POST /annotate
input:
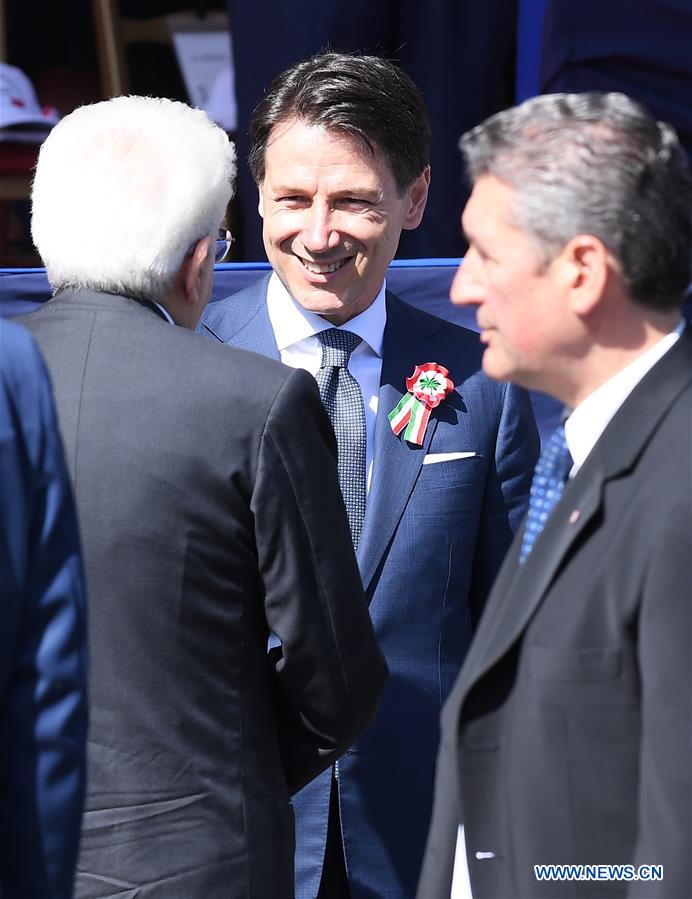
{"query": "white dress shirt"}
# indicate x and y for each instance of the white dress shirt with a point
(166, 314)
(589, 419)
(295, 330)
(582, 429)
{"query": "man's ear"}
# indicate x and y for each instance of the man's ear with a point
(417, 195)
(260, 201)
(194, 270)
(584, 270)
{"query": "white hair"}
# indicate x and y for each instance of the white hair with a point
(123, 189)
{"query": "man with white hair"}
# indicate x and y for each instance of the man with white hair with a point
(207, 487)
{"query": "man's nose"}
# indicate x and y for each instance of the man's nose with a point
(319, 234)
(467, 289)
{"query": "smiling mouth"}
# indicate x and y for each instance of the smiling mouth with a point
(326, 268)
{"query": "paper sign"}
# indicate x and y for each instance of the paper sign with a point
(205, 56)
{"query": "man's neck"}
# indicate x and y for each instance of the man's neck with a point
(615, 350)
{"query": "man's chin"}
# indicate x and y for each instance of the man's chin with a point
(496, 368)
(321, 302)
(336, 306)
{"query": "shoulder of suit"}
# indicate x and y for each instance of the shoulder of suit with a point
(22, 373)
(238, 307)
(431, 324)
(17, 343)
(227, 371)
(219, 376)
(225, 356)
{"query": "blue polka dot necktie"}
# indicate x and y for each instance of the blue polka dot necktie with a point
(343, 400)
(548, 482)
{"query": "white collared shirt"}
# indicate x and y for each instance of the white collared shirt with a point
(295, 330)
(166, 314)
(590, 418)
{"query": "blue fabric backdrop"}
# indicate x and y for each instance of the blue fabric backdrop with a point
(422, 282)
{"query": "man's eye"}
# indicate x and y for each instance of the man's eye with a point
(355, 202)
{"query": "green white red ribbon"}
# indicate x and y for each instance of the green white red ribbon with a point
(428, 386)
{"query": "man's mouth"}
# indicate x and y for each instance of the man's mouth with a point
(324, 268)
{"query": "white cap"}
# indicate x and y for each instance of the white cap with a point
(18, 102)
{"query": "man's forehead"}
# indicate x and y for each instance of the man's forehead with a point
(298, 151)
(489, 205)
(297, 127)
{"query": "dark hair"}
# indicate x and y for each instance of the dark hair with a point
(596, 163)
(365, 97)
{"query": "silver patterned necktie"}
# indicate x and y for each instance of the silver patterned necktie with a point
(343, 400)
(548, 482)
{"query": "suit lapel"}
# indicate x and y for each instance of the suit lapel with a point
(397, 463)
(242, 320)
(519, 591)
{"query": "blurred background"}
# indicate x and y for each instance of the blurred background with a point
(470, 58)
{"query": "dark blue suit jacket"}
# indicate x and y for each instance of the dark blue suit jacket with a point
(433, 538)
(43, 703)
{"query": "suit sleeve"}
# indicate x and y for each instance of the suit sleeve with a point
(506, 491)
(44, 703)
(330, 671)
(664, 827)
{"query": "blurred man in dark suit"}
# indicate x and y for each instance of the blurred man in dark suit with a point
(43, 688)
(208, 493)
(567, 738)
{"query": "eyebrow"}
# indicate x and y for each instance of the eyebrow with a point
(470, 238)
(286, 188)
(364, 193)
(358, 193)
(479, 244)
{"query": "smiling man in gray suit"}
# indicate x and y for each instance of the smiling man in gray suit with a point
(567, 739)
(207, 488)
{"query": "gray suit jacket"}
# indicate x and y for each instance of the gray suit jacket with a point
(567, 738)
(210, 508)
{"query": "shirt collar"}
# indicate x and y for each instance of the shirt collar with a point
(589, 419)
(292, 323)
(166, 314)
